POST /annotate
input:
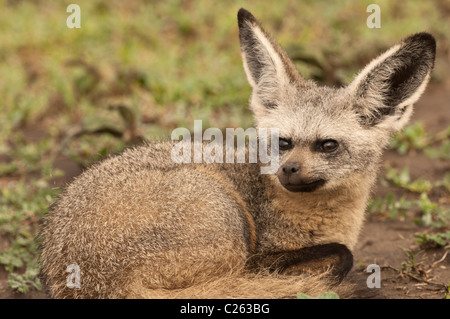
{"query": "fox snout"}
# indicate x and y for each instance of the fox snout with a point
(291, 177)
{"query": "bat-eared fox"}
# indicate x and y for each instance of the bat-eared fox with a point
(141, 225)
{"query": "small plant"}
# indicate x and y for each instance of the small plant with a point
(22, 283)
(21, 206)
(22, 253)
(433, 214)
(390, 205)
(445, 182)
(443, 152)
(325, 295)
(412, 137)
(403, 179)
(412, 264)
(434, 240)
(26, 157)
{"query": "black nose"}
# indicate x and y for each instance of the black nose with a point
(291, 168)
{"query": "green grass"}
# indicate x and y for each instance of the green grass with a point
(414, 137)
(390, 205)
(142, 68)
(413, 261)
(431, 214)
(434, 240)
(324, 295)
(402, 179)
(22, 204)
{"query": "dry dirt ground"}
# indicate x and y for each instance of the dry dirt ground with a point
(383, 240)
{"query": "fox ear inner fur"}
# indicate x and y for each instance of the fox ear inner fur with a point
(391, 83)
(266, 64)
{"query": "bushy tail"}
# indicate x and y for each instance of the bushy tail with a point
(254, 286)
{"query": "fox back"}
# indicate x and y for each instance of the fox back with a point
(140, 225)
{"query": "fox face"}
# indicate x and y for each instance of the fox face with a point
(327, 135)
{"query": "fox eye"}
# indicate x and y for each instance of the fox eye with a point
(328, 146)
(284, 144)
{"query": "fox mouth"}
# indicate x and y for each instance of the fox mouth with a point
(304, 187)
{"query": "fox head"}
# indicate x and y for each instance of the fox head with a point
(329, 134)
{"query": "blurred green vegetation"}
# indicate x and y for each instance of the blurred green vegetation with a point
(142, 68)
(174, 61)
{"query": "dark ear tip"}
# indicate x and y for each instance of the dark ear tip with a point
(244, 15)
(424, 39)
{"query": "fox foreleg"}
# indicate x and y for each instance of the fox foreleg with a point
(315, 259)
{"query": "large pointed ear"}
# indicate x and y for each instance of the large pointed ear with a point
(266, 64)
(386, 89)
